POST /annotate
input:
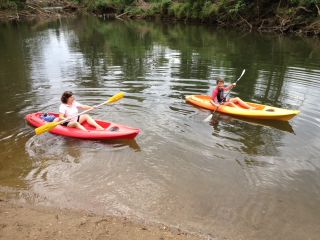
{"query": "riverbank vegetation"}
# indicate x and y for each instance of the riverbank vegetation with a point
(17, 10)
(283, 16)
(261, 15)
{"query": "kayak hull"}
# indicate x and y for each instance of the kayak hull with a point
(262, 112)
(112, 130)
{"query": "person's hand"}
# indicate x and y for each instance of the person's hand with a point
(214, 104)
(234, 84)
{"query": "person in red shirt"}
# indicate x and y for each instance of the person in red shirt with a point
(218, 97)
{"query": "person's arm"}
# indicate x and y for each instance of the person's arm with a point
(61, 112)
(86, 107)
(230, 87)
(82, 106)
(214, 94)
(214, 100)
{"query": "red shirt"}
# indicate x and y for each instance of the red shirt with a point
(215, 93)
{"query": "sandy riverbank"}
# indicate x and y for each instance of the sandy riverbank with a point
(32, 222)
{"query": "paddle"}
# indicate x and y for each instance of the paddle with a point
(49, 126)
(210, 116)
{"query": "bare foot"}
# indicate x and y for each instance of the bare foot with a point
(99, 128)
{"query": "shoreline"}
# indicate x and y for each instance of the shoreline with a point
(25, 221)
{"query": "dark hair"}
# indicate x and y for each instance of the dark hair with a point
(219, 79)
(65, 96)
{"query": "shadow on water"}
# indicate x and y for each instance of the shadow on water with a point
(118, 143)
(254, 138)
(88, 143)
(280, 125)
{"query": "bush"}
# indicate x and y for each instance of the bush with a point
(304, 2)
(164, 6)
(135, 11)
(237, 7)
(12, 4)
(209, 10)
(180, 10)
(105, 4)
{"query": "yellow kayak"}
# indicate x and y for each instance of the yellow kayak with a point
(261, 111)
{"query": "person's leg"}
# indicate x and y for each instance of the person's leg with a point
(231, 104)
(77, 125)
(241, 103)
(89, 120)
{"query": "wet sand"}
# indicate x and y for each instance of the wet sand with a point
(31, 222)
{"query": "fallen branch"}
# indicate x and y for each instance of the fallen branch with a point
(303, 8)
(318, 9)
(261, 25)
(38, 10)
(245, 20)
(122, 14)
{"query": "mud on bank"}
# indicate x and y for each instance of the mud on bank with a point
(31, 222)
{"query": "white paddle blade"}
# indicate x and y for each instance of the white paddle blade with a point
(208, 118)
(243, 72)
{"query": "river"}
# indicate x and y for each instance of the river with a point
(232, 179)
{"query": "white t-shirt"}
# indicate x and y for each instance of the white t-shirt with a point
(69, 111)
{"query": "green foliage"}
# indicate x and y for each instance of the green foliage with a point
(237, 7)
(135, 11)
(203, 9)
(220, 10)
(159, 7)
(304, 2)
(12, 4)
(209, 10)
(179, 10)
(8, 5)
(100, 5)
(165, 5)
(193, 9)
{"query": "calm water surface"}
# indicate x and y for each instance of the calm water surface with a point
(232, 179)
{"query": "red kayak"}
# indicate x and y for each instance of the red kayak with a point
(112, 130)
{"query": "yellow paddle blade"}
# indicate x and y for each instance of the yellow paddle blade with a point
(115, 98)
(47, 127)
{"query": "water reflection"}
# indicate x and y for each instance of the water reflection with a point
(280, 125)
